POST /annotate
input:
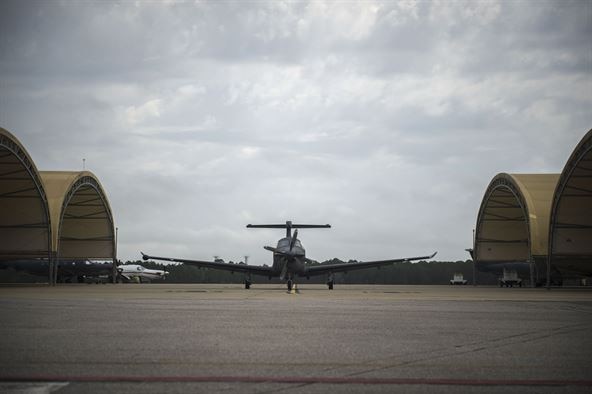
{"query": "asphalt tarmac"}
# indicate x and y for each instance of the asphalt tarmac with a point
(157, 338)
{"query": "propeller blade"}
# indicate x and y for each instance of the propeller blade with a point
(284, 271)
(274, 250)
(293, 240)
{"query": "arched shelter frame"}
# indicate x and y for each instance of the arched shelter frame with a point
(25, 224)
(512, 223)
(570, 229)
(82, 220)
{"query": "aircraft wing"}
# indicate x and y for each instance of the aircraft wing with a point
(327, 268)
(253, 269)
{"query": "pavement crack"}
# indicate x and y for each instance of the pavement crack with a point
(482, 346)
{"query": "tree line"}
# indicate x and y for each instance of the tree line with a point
(402, 273)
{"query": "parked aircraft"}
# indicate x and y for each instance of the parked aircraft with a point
(68, 270)
(520, 269)
(289, 260)
(134, 272)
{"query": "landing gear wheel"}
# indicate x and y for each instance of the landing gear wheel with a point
(247, 285)
(330, 285)
(290, 284)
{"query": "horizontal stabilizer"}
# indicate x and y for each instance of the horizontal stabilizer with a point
(288, 226)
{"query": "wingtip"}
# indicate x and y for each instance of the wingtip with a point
(432, 256)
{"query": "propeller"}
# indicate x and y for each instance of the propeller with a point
(289, 255)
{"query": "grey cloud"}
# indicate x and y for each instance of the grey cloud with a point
(386, 120)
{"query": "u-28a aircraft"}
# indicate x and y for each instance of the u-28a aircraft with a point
(133, 272)
(289, 260)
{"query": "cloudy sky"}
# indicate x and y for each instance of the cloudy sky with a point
(386, 119)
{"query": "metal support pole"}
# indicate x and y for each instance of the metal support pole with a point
(54, 272)
(548, 273)
(50, 273)
(531, 271)
(472, 253)
(114, 270)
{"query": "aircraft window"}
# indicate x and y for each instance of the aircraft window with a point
(138, 269)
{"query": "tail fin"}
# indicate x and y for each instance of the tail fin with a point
(289, 226)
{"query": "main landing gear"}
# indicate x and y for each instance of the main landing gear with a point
(248, 281)
(290, 284)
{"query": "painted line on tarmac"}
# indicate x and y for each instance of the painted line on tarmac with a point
(296, 380)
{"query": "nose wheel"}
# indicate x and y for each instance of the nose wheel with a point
(290, 284)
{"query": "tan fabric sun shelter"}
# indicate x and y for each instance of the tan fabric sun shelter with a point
(513, 221)
(50, 214)
(545, 219)
(570, 233)
(25, 231)
(81, 219)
